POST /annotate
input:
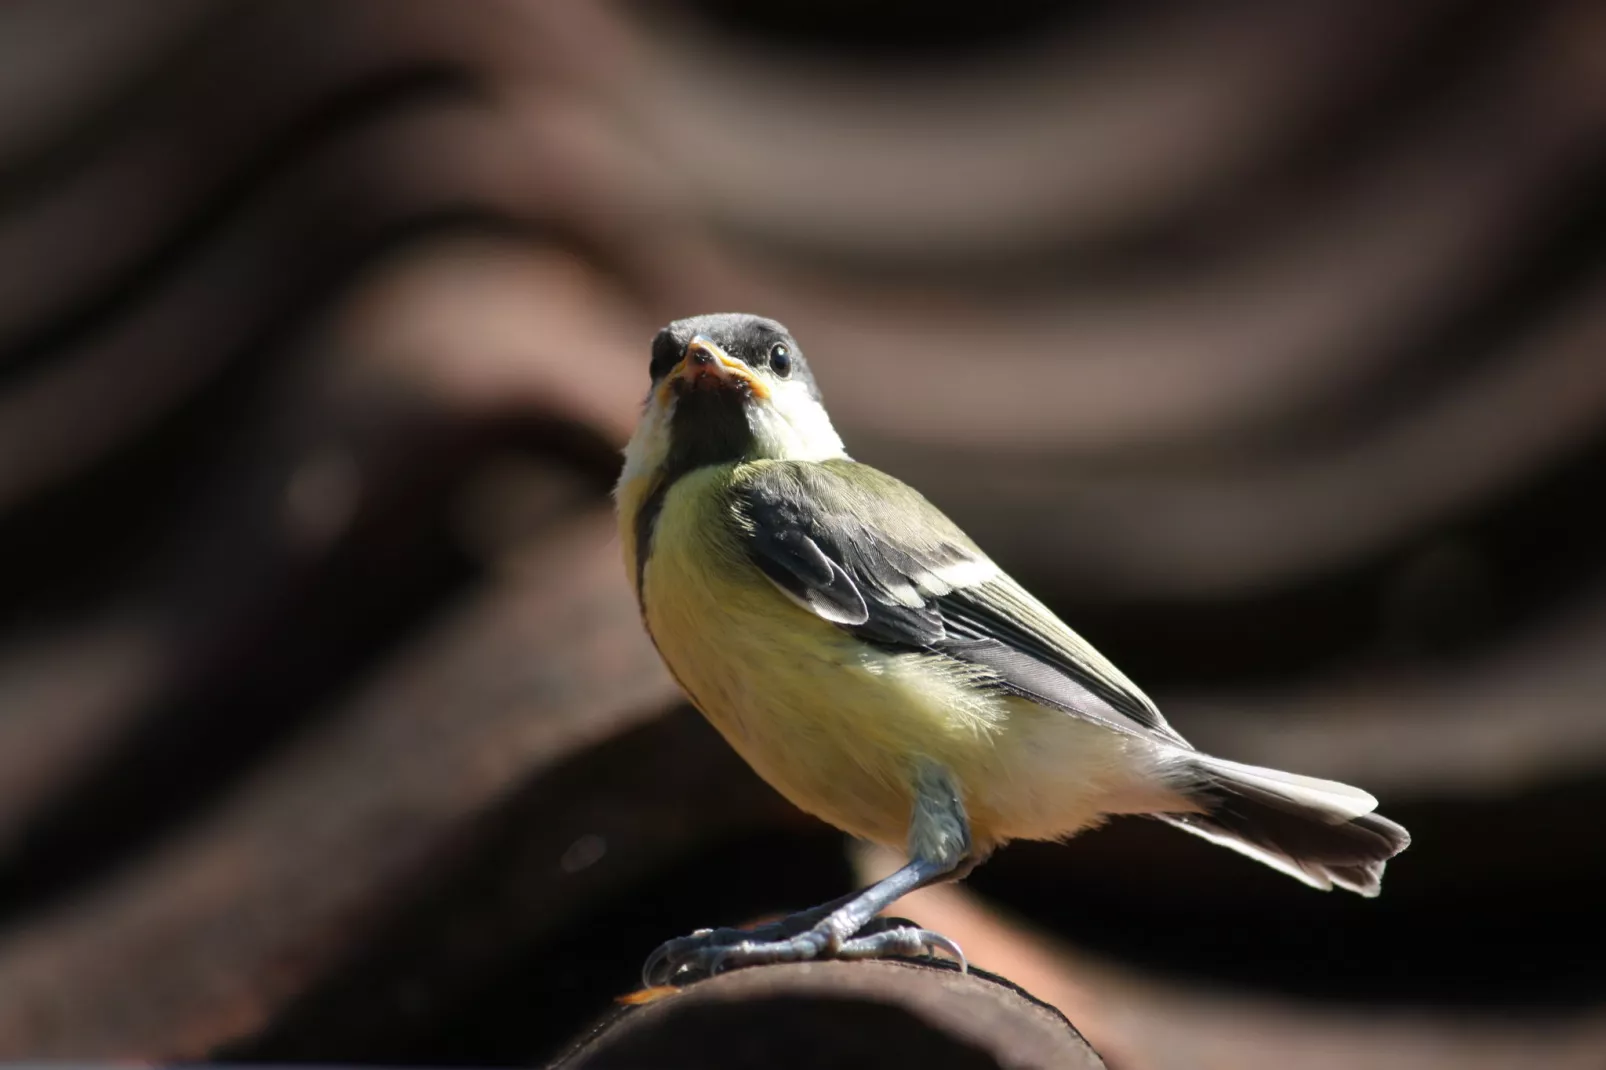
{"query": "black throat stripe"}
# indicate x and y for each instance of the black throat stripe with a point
(646, 524)
(708, 427)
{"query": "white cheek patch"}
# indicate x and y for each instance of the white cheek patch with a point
(792, 426)
(649, 446)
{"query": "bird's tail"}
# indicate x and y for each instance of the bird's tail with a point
(1317, 831)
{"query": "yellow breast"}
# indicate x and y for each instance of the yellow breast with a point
(834, 724)
(839, 726)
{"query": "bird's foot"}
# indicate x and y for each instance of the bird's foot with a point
(886, 938)
(709, 951)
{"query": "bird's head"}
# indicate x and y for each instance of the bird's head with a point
(729, 387)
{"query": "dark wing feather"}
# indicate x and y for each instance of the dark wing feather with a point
(796, 562)
(836, 537)
(1002, 613)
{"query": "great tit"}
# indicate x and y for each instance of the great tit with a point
(881, 672)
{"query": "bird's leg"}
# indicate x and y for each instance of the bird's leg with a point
(939, 844)
(801, 937)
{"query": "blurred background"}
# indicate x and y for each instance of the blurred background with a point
(1266, 341)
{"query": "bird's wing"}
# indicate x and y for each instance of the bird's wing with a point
(837, 538)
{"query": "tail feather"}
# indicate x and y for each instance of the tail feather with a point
(1320, 832)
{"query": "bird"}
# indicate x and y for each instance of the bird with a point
(871, 663)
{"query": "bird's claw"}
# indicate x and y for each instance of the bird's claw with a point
(710, 951)
(903, 941)
(684, 951)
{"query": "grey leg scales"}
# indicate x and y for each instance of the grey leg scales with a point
(801, 937)
(940, 843)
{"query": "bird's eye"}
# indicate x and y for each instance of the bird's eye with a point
(781, 359)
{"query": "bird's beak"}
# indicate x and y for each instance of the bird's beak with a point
(706, 364)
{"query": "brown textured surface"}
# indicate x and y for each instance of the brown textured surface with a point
(499, 692)
(1262, 340)
(837, 1014)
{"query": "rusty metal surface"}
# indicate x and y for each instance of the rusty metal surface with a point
(1265, 341)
